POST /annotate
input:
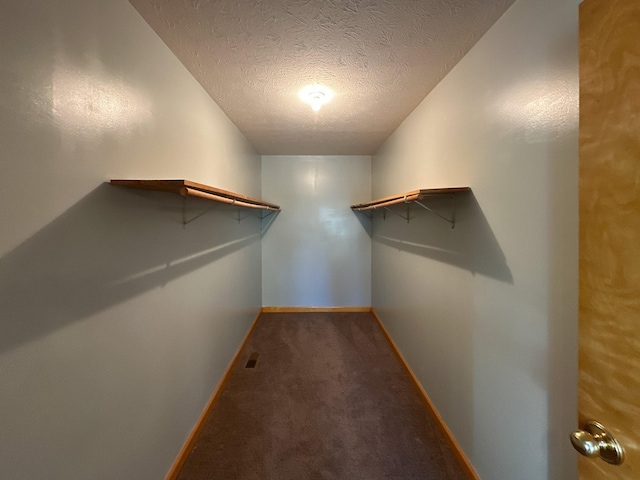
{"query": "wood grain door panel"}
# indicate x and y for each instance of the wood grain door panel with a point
(609, 361)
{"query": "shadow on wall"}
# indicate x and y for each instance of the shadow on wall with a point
(471, 245)
(112, 245)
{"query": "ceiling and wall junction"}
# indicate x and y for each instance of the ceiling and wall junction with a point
(380, 57)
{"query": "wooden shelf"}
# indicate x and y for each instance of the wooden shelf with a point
(413, 197)
(186, 188)
(407, 197)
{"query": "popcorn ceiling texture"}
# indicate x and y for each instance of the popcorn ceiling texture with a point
(380, 57)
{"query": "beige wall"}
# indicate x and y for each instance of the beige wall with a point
(116, 321)
(486, 314)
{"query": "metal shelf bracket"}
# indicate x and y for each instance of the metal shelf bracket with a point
(238, 216)
(451, 220)
(407, 217)
(413, 196)
(185, 220)
(270, 217)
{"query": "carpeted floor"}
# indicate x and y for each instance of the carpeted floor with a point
(327, 399)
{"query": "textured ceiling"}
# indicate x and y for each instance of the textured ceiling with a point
(380, 57)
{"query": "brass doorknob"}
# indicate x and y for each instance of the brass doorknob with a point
(595, 440)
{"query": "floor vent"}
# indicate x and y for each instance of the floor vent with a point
(253, 359)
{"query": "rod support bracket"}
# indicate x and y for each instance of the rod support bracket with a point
(185, 220)
(450, 220)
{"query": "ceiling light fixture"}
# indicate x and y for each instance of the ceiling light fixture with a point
(316, 96)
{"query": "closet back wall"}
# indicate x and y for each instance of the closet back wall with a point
(317, 252)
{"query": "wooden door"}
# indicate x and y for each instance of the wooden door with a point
(609, 359)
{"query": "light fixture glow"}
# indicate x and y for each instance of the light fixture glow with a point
(316, 96)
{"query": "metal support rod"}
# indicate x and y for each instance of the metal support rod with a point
(368, 214)
(453, 211)
(184, 212)
(240, 217)
(393, 211)
(260, 215)
(384, 204)
(451, 221)
(268, 214)
(272, 216)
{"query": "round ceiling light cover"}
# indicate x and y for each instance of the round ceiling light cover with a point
(316, 96)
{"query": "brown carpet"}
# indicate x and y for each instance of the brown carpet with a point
(327, 399)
